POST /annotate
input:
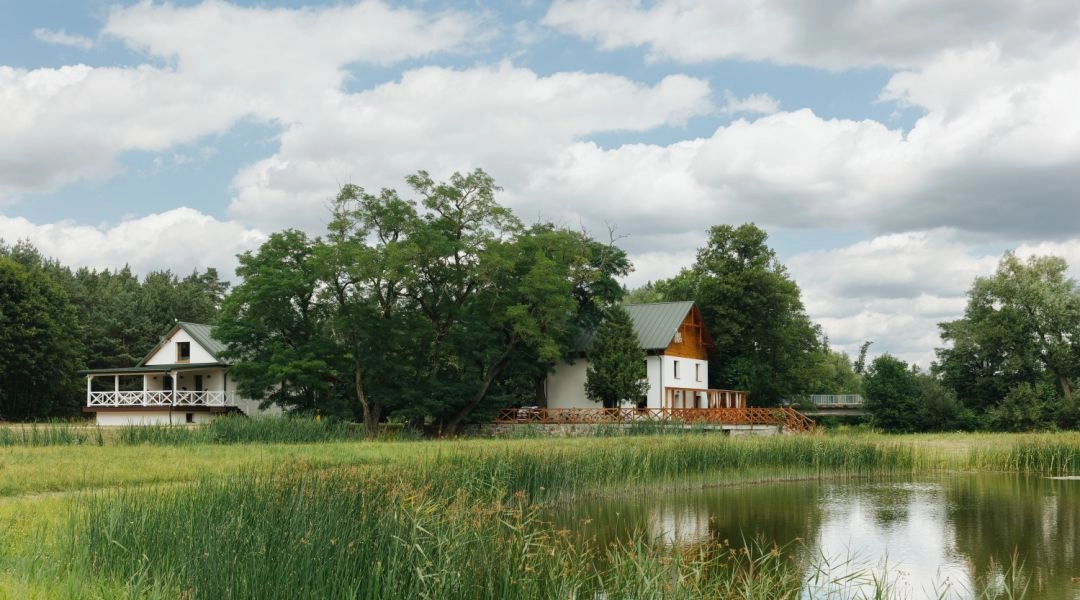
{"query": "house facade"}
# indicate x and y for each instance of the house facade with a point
(182, 380)
(677, 346)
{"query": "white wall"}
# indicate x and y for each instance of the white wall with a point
(152, 417)
(166, 355)
(693, 374)
(566, 386)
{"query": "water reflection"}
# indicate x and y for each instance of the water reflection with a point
(955, 534)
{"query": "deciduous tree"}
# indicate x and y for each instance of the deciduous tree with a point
(764, 340)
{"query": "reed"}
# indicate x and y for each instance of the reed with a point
(458, 519)
(241, 430)
(53, 433)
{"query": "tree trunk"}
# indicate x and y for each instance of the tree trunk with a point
(451, 426)
(371, 419)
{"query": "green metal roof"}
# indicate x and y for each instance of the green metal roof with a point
(656, 324)
(202, 334)
(151, 369)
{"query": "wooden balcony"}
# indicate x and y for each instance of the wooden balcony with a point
(159, 398)
(788, 418)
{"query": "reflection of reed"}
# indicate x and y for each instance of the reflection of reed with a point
(1035, 520)
(775, 513)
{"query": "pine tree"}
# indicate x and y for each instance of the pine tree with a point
(616, 360)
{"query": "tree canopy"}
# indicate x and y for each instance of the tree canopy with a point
(765, 342)
(421, 305)
(1020, 332)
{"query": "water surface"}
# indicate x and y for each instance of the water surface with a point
(954, 534)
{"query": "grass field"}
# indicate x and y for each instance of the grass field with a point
(109, 517)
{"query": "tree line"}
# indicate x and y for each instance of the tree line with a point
(55, 321)
(440, 307)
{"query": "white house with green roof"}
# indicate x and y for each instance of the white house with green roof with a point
(677, 347)
(182, 380)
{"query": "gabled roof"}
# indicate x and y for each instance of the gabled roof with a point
(202, 334)
(656, 324)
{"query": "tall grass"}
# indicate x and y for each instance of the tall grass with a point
(241, 430)
(59, 433)
(1042, 454)
(560, 471)
(459, 520)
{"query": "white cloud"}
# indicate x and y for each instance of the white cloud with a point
(892, 289)
(181, 239)
(762, 104)
(507, 119)
(994, 154)
(222, 63)
(62, 38)
(832, 35)
(278, 61)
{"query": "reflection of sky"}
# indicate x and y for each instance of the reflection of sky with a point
(897, 530)
(943, 538)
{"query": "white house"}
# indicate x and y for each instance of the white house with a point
(677, 347)
(182, 380)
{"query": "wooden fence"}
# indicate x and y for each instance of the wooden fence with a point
(788, 418)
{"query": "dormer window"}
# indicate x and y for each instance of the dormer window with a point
(183, 352)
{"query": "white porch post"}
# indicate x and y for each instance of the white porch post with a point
(144, 387)
(89, 378)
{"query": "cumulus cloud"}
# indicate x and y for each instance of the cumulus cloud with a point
(181, 239)
(506, 118)
(62, 38)
(220, 63)
(762, 104)
(994, 154)
(892, 289)
(832, 35)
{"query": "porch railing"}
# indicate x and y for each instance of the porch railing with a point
(159, 398)
(788, 418)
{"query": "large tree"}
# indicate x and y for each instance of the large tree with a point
(616, 362)
(423, 308)
(765, 343)
(276, 330)
(1021, 327)
(39, 356)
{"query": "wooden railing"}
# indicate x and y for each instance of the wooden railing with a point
(788, 418)
(159, 398)
(684, 398)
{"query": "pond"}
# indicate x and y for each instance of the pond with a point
(953, 535)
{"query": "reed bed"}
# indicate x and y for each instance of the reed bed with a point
(58, 433)
(241, 430)
(460, 520)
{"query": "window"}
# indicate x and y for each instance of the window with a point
(697, 372)
(183, 352)
(189, 417)
(675, 364)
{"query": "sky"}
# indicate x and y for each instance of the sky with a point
(893, 151)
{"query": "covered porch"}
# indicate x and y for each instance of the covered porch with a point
(186, 385)
(684, 398)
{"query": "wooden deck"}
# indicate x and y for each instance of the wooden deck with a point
(788, 418)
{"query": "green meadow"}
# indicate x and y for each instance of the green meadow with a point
(273, 513)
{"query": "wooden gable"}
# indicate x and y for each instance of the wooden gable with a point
(692, 340)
